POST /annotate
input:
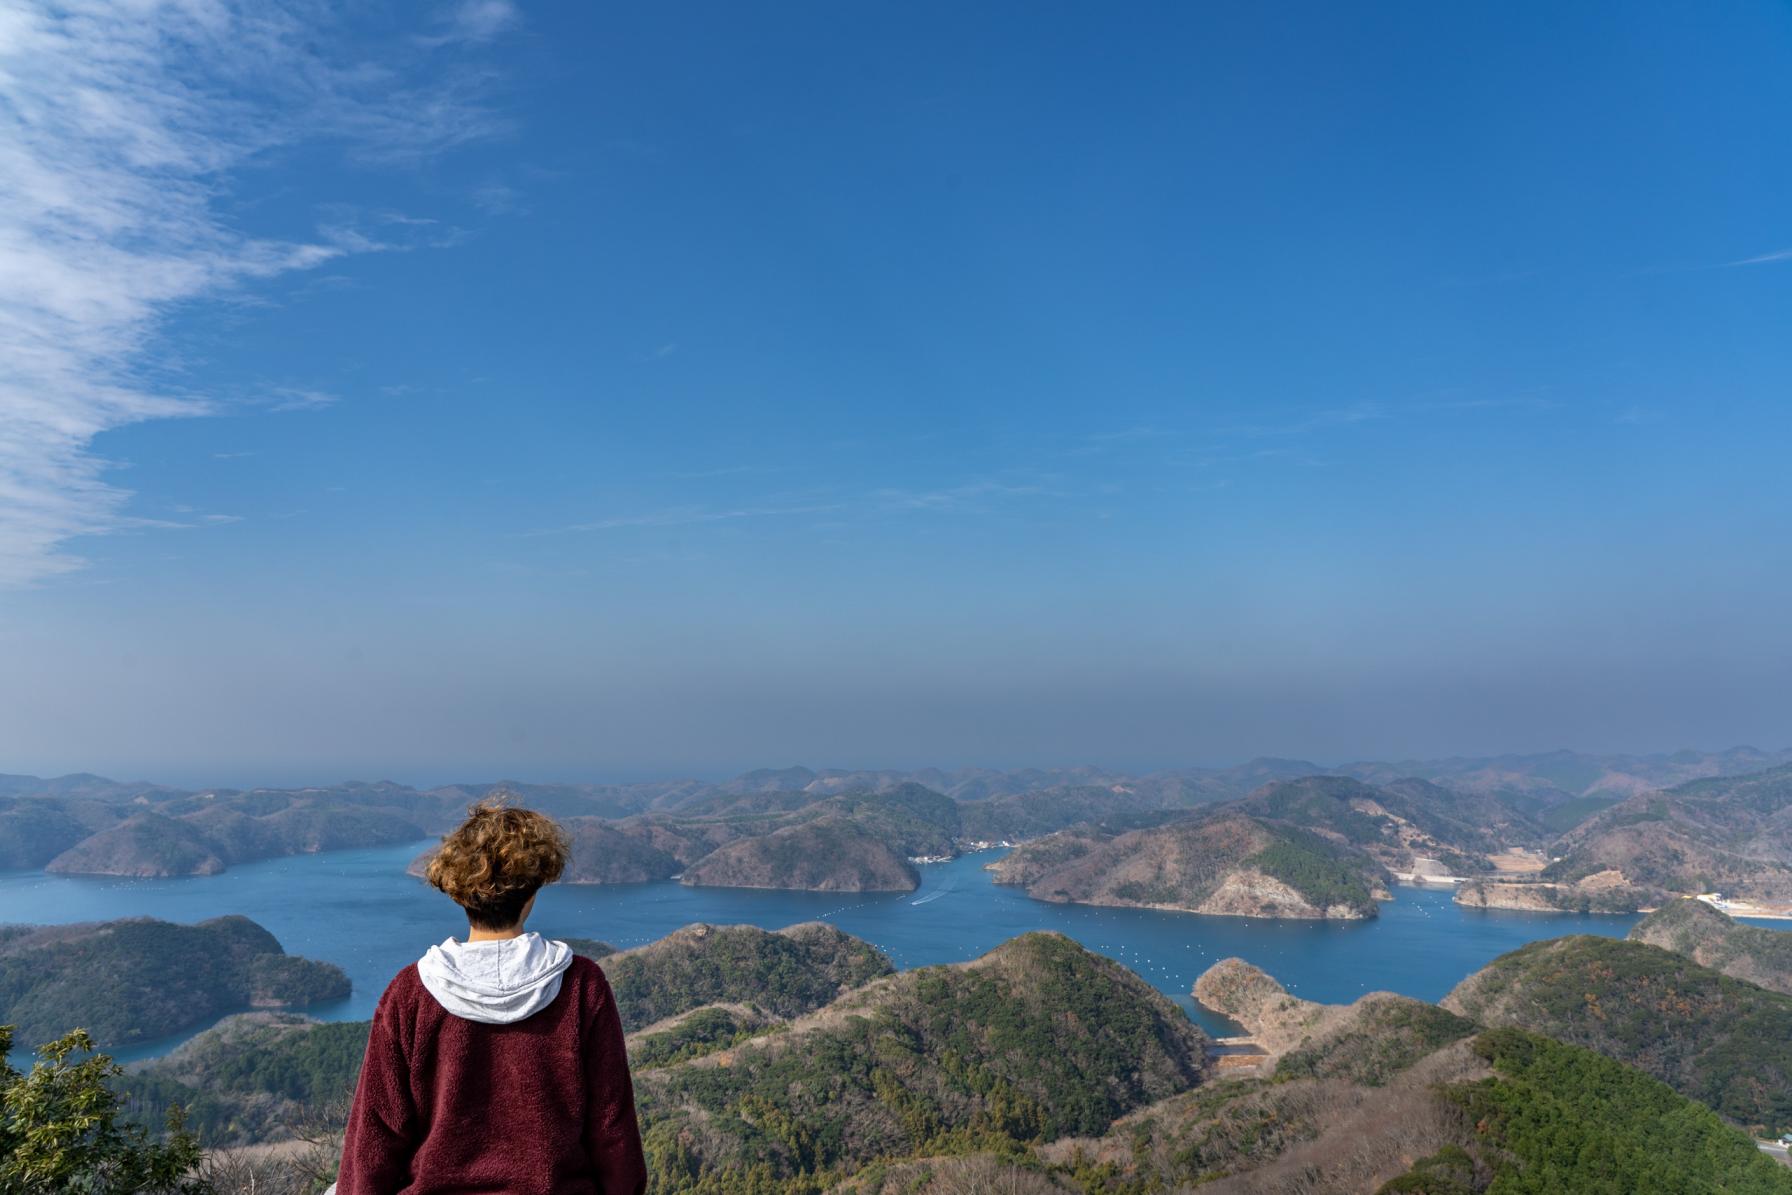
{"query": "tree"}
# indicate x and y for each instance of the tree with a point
(60, 1133)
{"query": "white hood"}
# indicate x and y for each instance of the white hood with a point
(495, 982)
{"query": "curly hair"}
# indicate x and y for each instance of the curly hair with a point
(496, 860)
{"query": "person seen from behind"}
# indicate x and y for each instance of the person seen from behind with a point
(495, 1065)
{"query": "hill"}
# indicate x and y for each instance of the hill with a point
(785, 974)
(252, 1077)
(1044, 1068)
(255, 1077)
(1034, 1040)
(1368, 1042)
(831, 854)
(75, 823)
(1224, 863)
(1723, 1042)
(1731, 834)
(1712, 939)
(164, 833)
(137, 980)
(1399, 1097)
(1399, 823)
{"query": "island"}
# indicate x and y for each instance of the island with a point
(1223, 863)
(139, 979)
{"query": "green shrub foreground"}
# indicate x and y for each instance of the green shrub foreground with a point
(60, 1130)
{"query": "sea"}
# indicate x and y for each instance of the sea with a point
(360, 910)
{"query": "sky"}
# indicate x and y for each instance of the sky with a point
(452, 390)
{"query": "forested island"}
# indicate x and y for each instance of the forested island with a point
(140, 979)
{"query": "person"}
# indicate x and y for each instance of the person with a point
(495, 1065)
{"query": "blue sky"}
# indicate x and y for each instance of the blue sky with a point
(565, 390)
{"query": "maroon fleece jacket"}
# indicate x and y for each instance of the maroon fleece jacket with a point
(541, 1106)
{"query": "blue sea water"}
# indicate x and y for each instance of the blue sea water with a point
(359, 910)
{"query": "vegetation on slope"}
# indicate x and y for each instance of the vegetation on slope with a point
(1222, 862)
(787, 973)
(1713, 939)
(1728, 834)
(250, 1078)
(139, 979)
(1384, 1035)
(1037, 1039)
(828, 855)
(1563, 817)
(1556, 1118)
(1324, 876)
(1718, 1040)
(701, 1031)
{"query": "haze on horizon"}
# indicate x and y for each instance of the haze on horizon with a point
(486, 388)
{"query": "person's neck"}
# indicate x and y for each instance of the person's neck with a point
(475, 934)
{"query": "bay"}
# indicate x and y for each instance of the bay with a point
(359, 910)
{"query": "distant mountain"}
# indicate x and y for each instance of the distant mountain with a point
(140, 979)
(1448, 811)
(1712, 939)
(1729, 834)
(1722, 1041)
(1221, 863)
(1401, 822)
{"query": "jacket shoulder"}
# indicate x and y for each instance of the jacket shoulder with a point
(586, 970)
(404, 989)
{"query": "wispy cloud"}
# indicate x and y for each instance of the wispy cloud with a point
(969, 496)
(956, 497)
(1761, 259)
(119, 127)
(1098, 443)
(1354, 414)
(498, 199)
(474, 21)
(1317, 420)
(683, 516)
(298, 398)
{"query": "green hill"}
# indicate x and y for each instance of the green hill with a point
(787, 973)
(1555, 1118)
(1035, 1040)
(252, 1077)
(1721, 1041)
(140, 979)
(1713, 939)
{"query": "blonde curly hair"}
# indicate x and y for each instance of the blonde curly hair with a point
(496, 860)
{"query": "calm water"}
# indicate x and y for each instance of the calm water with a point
(359, 910)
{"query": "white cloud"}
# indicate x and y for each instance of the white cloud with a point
(1763, 259)
(475, 21)
(118, 126)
